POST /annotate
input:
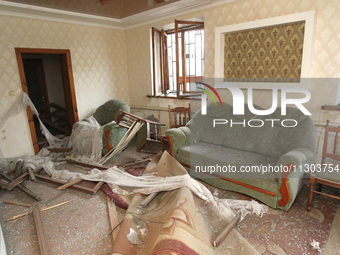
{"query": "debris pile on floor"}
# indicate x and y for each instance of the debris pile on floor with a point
(111, 180)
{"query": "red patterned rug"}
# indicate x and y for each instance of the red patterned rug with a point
(279, 232)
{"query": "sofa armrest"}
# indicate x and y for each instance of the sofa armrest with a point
(297, 157)
(112, 134)
(289, 183)
(179, 137)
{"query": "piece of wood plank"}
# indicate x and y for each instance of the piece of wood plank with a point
(22, 187)
(65, 186)
(227, 230)
(17, 181)
(57, 182)
(59, 149)
(18, 168)
(113, 216)
(97, 187)
(72, 162)
(31, 174)
(10, 171)
(136, 162)
(43, 209)
(44, 241)
(147, 200)
(16, 203)
(4, 184)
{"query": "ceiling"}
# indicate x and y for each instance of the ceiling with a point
(106, 8)
(120, 14)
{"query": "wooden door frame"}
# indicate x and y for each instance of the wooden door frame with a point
(68, 84)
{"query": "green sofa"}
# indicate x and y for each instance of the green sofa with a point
(216, 155)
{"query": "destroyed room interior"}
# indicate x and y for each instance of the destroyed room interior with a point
(137, 127)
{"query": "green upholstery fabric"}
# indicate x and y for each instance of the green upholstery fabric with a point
(201, 144)
(107, 113)
(110, 111)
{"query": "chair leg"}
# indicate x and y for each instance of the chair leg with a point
(319, 187)
(310, 196)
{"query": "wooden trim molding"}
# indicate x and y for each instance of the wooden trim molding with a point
(108, 145)
(18, 53)
(168, 138)
(284, 187)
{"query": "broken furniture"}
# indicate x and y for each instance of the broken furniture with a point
(99, 133)
(199, 145)
(328, 172)
(107, 113)
(126, 119)
(16, 183)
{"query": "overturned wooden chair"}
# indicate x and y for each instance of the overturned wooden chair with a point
(126, 119)
(328, 173)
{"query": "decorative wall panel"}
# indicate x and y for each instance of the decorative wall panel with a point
(272, 54)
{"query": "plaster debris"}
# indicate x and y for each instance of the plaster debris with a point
(133, 237)
(315, 245)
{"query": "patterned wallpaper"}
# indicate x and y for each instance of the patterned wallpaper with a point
(272, 54)
(99, 62)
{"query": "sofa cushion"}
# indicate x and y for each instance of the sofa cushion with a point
(272, 139)
(207, 154)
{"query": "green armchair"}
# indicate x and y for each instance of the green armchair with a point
(107, 113)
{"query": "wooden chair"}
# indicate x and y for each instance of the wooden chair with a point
(126, 119)
(327, 178)
(179, 116)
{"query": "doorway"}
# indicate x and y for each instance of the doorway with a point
(47, 78)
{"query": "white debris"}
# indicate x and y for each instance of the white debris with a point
(143, 231)
(216, 193)
(315, 245)
(133, 237)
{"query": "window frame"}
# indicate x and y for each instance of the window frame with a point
(163, 61)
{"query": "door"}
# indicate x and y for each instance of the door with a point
(36, 82)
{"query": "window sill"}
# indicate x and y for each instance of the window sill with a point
(174, 96)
